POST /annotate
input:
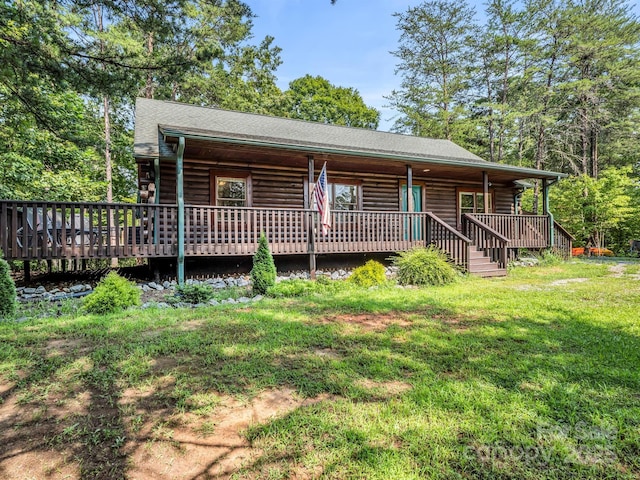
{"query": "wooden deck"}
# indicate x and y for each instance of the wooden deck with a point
(62, 230)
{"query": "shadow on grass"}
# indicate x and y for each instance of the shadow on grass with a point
(490, 381)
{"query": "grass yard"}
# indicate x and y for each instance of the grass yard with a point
(532, 376)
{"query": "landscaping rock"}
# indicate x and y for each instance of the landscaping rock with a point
(29, 291)
(257, 298)
(76, 289)
(335, 276)
(243, 300)
(214, 302)
(40, 290)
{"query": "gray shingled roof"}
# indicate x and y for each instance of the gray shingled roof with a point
(155, 117)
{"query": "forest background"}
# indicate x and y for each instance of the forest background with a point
(547, 84)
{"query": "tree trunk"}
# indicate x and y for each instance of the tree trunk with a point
(148, 90)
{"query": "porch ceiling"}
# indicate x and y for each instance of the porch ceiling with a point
(220, 153)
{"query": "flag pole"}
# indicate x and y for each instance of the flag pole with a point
(311, 246)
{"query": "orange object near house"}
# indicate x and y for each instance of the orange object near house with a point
(601, 252)
(598, 252)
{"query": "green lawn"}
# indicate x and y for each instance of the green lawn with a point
(532, 376)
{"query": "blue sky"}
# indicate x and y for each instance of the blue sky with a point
(347, 43)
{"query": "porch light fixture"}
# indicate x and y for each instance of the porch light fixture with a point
(426, 170)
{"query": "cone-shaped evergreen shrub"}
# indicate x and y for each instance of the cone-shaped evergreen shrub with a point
(263, 273)
(7, 291)
(112, 294)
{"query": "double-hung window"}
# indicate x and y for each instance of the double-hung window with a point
(230, 188)
(343, 196)
(231, 192)
(472, 201)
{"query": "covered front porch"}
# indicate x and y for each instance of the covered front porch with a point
(81, 231)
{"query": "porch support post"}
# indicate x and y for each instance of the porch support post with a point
(410, 206)
(545, 208)
(485, 191)
(156, 181)
(311, 243)
(180, 198)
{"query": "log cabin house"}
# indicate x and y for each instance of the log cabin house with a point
(211, 181)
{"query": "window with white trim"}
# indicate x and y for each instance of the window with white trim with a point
(231, 192)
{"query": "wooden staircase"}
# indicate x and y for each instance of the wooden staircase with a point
(481, 265)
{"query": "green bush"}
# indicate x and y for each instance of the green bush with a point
(424, 266)
(368, 275)
(300, 288)
(291, 288)
(7, 291)
(549, 258)
(112, 294)
(195, 293)
(263, 273)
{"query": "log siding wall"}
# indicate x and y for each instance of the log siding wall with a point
(285, 188)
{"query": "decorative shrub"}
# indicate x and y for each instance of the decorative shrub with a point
(7, 291)
(291, 288)
(424, 266)
(549, 258)
(368, 275)
(195, 293)
(112, 294)
(263, 273)
(299, 288)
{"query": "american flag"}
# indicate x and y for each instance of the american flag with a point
(322, 200)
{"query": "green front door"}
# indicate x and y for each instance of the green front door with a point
(416, 193)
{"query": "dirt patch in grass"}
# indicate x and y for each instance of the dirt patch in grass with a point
(566, 281)
(327, 353)
(393, 387)
(141, 435)
(201, 446)
(370, 321)
(617, 270)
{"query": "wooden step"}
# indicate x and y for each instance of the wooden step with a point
(481, 265)
(498, 272)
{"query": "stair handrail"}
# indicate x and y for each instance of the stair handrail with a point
(457, 233)
(488, 232)
(563, 230)
(459, 251)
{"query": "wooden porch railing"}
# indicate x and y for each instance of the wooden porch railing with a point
(214, 231)
(523, 231)
(228, 231)
(562, 240)
(67, 230)
(487, 239)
